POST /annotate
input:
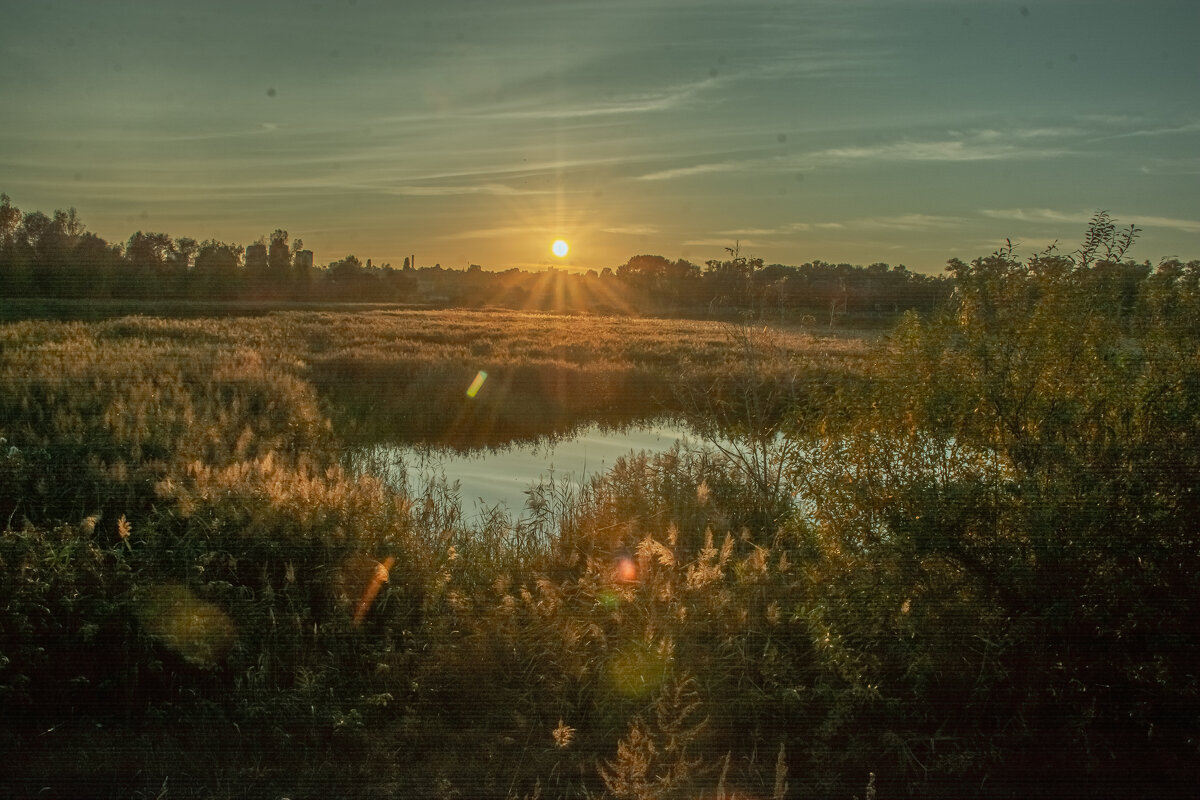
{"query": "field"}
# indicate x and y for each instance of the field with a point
(943, 561)
(193, 466)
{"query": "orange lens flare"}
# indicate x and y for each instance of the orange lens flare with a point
(382, 572)
(626, 570)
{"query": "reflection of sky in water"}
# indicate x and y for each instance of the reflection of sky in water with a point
(489, 477)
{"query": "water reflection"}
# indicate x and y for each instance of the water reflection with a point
(488, 477)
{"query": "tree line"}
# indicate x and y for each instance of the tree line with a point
(55, 256)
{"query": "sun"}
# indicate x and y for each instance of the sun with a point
(560, 248)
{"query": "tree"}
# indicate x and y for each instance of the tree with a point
(1023, 478)
(731, 281)
(149, 252)
(15, 276)
(217, 269)
(150, 257)
(10, 218)
(49, 243)
(185, 251)
(347, 269)
(279, 259)
(97, 265)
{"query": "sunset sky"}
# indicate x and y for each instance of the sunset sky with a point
(479, 131)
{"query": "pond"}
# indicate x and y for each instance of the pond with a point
(488, 477)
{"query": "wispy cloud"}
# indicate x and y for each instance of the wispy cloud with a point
(641, 103)
(1048, 216)
(1039, 215)
(1023, 134)
(696, 169)
(954, 146)
(723, 243)
(743, 232)
(493, 189)
(978, 147)
(1162, 130)
(496, 233)
(1171, 166)
(632, 230)
(897, 222)
(908, 222)
(1182, 225)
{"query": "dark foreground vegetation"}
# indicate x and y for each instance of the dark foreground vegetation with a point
(956, 561)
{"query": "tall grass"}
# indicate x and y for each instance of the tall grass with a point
(198, 599)
(183, 550)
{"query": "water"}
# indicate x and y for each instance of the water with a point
(503, 477)
(488, 478)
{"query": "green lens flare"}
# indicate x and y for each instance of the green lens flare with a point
(476, 384)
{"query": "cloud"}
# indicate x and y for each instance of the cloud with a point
(1039, 215)
(979, 145)
(724, 243)
(897, 222)
(493, 233)
(986, 147)
(698, 169)
(1048, 216)
(754, 232)
(908, 222)
(632, 230)
(664, 100)
(1171, 166)
(1165, 130)
(493, 189)
(1183, 225)
(1021, 134)
(535, 104)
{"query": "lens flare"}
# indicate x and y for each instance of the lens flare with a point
(476, 384)
(638, 669)
(197, 630)
(626, 570)
(382, 572)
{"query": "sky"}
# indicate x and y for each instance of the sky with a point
(479, 131)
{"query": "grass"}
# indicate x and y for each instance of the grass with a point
(197, 599)
(185, 555)
(403, 375)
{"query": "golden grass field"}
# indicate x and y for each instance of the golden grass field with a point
(403, 375)
(193, 566)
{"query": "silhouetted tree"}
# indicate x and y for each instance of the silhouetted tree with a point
(279, 261)
(217, 269)
(731, 281)
(15, 276)
(147, 256)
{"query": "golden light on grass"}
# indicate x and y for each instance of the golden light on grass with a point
(560, 248)
(563, 735)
